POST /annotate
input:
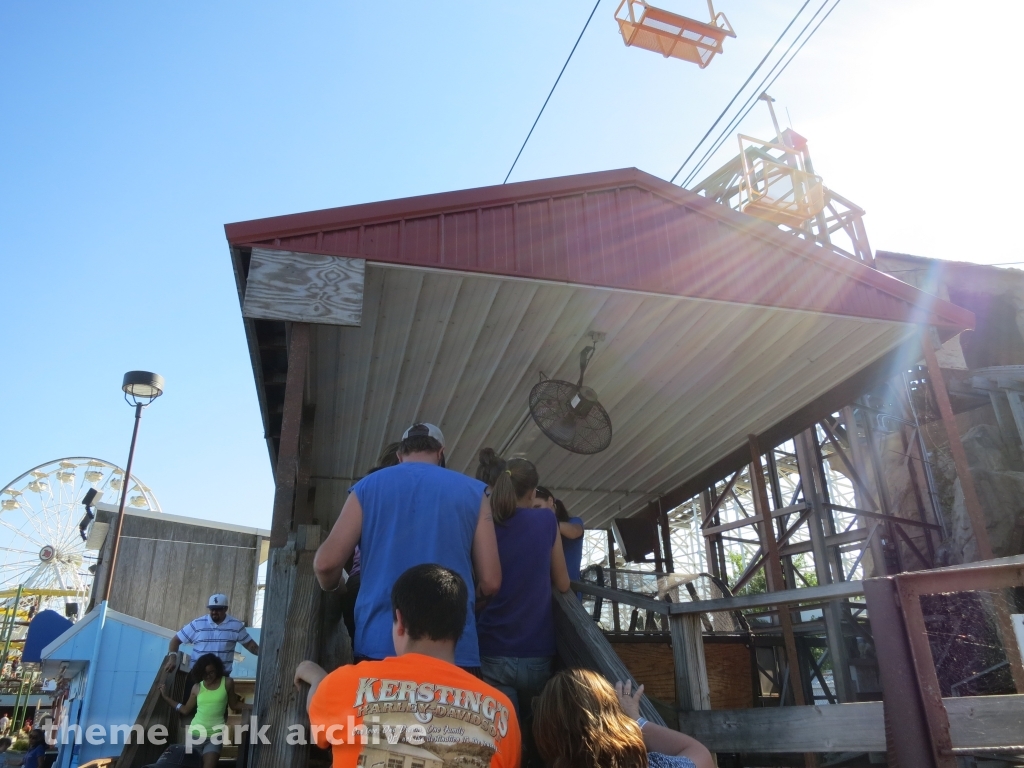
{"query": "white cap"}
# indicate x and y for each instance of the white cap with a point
(424, 430)
(218, 601)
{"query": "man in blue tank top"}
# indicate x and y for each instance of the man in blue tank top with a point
(413, 513)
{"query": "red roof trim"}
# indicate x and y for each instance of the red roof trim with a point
(922, 307)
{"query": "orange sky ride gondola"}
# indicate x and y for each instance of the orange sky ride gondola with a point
(672, 35)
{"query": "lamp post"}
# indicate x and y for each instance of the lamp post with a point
(140, 389)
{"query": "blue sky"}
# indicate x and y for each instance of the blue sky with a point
(132, 132)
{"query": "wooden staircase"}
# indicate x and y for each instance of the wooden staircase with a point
(155, 711)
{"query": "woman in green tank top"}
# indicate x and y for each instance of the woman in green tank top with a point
(209, 700)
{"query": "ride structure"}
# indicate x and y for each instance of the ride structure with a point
(42, 530)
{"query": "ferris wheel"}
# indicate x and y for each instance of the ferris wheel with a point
(42, 549)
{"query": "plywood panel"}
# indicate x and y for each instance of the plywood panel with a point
(305, 287)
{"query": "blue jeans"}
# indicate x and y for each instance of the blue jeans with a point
(521, 679)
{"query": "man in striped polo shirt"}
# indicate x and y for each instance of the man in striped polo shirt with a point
(214, 633)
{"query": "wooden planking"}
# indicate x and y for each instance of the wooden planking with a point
(297, 600)
(171, 568)
(975, 722)
(836, 728)
(986, 721)
(304, 287)
(582, 645)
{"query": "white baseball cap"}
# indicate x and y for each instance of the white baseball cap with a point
(424, 430)
(218, 601)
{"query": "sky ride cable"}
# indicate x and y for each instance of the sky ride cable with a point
(765, 85)
(738, 92)
(537, 120)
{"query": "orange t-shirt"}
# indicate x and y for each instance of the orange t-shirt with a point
(413, 711)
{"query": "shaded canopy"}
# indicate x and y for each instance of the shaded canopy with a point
(716, 325)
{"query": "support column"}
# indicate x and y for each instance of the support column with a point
(956, 448)
(773, 567)
(692, 689)
(863, 501)
(293, 596)
(293, 600)
(286, 470)
(814, 491)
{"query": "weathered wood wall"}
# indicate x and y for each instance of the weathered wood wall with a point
(167, 569)
(978, 722)
(728, 666)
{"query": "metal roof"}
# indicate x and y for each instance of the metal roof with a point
(717, 325)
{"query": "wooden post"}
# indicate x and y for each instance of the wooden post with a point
(286, 471)
(956, 448)
(773, 567)
(304, 490)
(293, 601)
(693, 691)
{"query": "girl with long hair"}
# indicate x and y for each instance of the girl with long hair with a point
(517, 629)
(581, 721)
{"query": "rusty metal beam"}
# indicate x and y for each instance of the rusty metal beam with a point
(773, 571)
(956, 448)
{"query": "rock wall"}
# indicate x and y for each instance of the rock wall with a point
(999, 477)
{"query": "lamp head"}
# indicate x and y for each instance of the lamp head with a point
(142, 387)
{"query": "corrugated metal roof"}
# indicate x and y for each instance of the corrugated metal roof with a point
(717, 326)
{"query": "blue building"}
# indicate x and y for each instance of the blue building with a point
(106, 665)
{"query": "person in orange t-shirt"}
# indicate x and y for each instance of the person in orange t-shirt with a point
(416, 708)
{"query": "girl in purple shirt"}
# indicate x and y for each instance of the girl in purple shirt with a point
(516, 629)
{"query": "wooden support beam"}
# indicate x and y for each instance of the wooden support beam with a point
(693, 692)
(773, 571)
(304, 468)
(294, 600)
(956, 448)
(286, 471)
